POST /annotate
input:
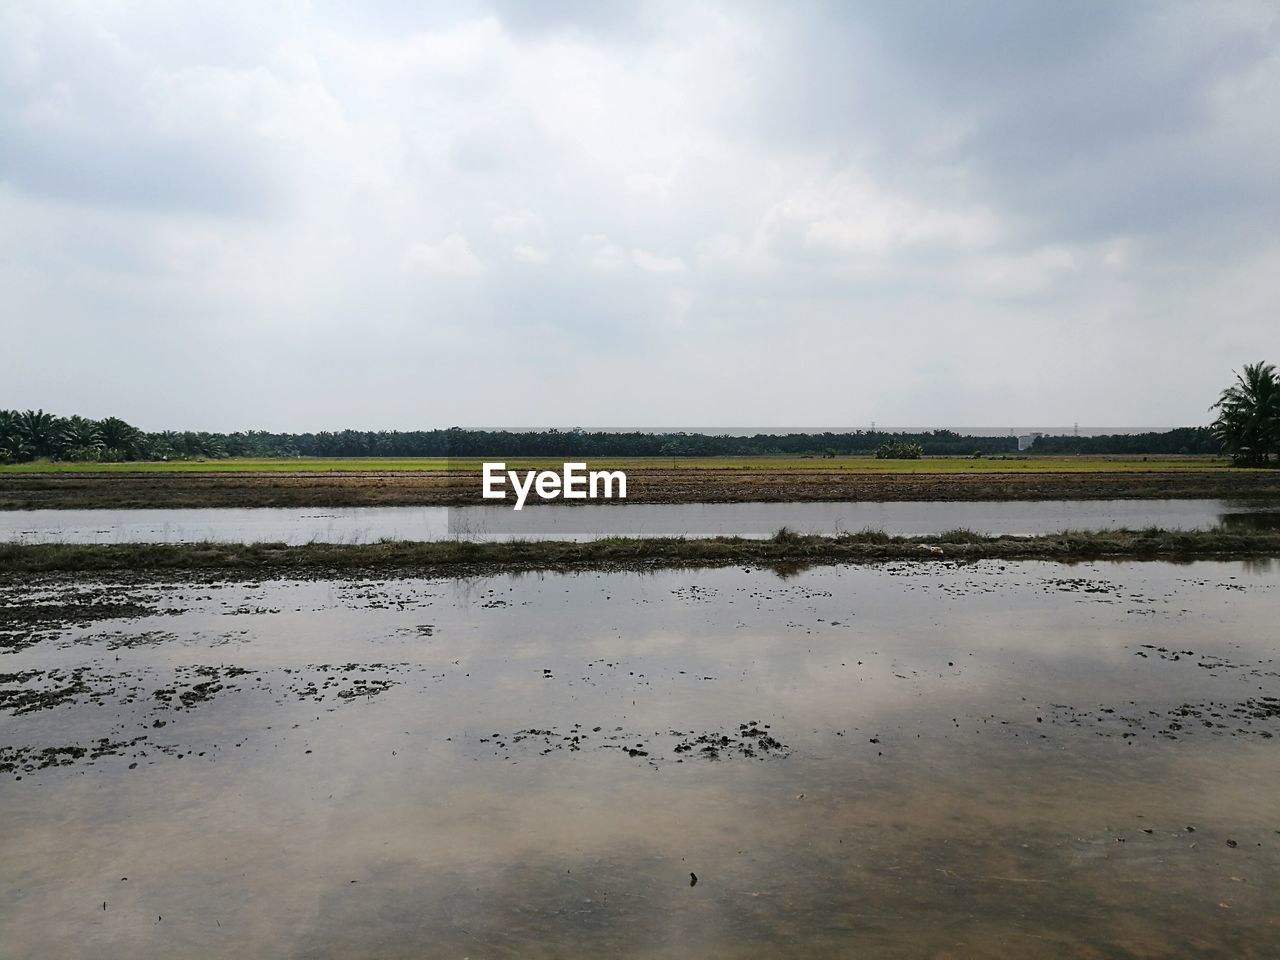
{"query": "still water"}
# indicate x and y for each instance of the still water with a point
(368, 524)
(995, 760)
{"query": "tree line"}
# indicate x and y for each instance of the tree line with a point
(1184, 440)
(34, 434)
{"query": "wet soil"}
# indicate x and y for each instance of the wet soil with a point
(914, 758)
(28, 616)
(649, 485)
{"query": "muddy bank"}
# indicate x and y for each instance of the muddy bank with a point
(783, 550)
(656, 485)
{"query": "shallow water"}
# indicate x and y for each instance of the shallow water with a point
(904, 760)
(590, 521)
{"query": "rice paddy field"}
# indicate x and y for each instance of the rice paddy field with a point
(955, 745)
(388, 482)
(1001, 759)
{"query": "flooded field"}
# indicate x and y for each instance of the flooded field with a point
(903, 760)
(369, 524)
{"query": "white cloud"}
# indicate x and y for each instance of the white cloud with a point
(850, 215)
(655, 263)
(524, 253)
(748, 204)
(452, 255)
(518, 223)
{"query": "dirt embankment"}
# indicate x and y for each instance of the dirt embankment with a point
(463, 558)
(665, 485)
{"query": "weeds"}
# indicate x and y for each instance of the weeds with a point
(786, 546)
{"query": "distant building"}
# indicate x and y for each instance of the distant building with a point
(1027, 439)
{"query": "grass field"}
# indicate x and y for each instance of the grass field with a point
(854, 465)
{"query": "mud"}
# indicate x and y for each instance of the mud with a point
(28, 616)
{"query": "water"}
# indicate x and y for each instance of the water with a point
(368, 524)
(997, 760)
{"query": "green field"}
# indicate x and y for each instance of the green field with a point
(864, 465)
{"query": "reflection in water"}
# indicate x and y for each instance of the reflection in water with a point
(1250, 521)
(993, 760)
(588, 521)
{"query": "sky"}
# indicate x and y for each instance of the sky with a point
(303, 216)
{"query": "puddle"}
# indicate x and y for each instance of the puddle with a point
(905, 760)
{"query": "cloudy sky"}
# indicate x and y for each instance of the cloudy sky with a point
(301, 216)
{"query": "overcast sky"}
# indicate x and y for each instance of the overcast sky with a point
(226, 216)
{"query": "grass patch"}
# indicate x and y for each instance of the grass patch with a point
(961, 535)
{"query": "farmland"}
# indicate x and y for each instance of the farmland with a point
(444, 482)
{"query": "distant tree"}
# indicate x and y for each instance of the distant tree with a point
(36, 433)
(13, 447)
(81, 438)
(120, 438)
(1248, 422)
(899, 450)
(164, 444)
(40, 432)
(1182, 440)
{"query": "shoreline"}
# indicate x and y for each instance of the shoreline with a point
(465, 558)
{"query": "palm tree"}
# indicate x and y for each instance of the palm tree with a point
(119, 437)
(39, 431)
(81, 434)
(1248, 423)
(164, 444)
(12, 446)
(212, 446)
